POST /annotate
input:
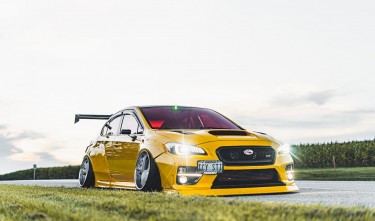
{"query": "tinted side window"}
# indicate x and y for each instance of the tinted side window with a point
(115, 126)
(130, 123)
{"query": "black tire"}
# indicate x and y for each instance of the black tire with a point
(146, 181)
(86, 174)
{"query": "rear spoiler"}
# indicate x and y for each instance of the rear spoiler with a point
(90, 116)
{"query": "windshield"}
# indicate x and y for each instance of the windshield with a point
(174, 117)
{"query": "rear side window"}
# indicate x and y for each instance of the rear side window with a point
(130, 123)
(114, 126)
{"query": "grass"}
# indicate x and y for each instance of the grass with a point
(40, 203)
(345, 174)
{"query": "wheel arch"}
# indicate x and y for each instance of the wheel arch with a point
(152, 158)
(92, 170)
(154, 148)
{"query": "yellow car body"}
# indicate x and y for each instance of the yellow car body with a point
(114, 159)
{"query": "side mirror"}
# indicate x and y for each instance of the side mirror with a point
(108, 126)
(126, 131)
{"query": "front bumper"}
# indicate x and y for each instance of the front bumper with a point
(168, 165)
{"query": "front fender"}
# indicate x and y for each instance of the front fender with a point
(154, 147)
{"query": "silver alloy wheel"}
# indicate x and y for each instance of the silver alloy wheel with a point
(142, 170)
(84, 170)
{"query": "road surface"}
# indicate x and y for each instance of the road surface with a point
(340, 193)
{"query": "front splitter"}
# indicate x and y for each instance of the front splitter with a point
(240, 191)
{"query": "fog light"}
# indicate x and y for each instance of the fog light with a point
(290, 171)
(289, 167)
(187, 175)
(182, 179)
(290, 176)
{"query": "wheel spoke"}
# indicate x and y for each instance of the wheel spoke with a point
(144, 177)
(142, 170)
(144, 163)
(84, 171)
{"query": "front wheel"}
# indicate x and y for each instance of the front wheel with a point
(146, 174)
(86, 174)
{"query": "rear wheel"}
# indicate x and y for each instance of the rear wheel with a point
(86, 174)
(146, 174)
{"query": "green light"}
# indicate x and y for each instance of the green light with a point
(175, 108)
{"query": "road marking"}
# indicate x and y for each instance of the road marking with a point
(314, 188)
(332, 192)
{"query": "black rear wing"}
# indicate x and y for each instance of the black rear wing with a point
(90, 116)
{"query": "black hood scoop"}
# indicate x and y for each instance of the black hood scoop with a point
(228, 133)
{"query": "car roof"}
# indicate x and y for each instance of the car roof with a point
(148, 106)
(145, 106)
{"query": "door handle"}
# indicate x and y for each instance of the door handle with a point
(117, 145)
(134, 137)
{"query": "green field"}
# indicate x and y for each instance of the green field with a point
(40, 203)
(352, 173)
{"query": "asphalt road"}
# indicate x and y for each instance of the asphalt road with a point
(340, 193)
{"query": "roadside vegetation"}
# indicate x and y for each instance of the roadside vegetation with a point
(335, 161)
(330, 155)
(347, 174)
(40, 203)
(67, 172)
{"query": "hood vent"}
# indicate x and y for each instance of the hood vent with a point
(183, 132)
(228, 133)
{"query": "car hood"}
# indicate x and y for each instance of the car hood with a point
(196, 137)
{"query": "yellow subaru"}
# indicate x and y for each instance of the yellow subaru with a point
(187, 150)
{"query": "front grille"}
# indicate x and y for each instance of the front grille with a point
(247, 178)
(246, 155)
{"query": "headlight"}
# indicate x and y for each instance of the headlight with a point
(183, 149)
(285, 148)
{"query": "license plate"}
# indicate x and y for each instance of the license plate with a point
(210, 166)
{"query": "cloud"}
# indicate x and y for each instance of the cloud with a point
(360, 111)
(305, 123)
(294, 98)
(30, 135)
(22, 156)
(300, 122)
(320, 97)
(6, 146)
(24, 146)
(13, 135)
(345, 136)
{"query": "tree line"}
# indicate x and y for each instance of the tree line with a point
(334, 154)
(67, 172)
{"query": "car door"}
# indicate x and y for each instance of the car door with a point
(99, 159)
(111, 152)
(128, 144)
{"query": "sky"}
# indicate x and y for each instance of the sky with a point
(301, 71)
